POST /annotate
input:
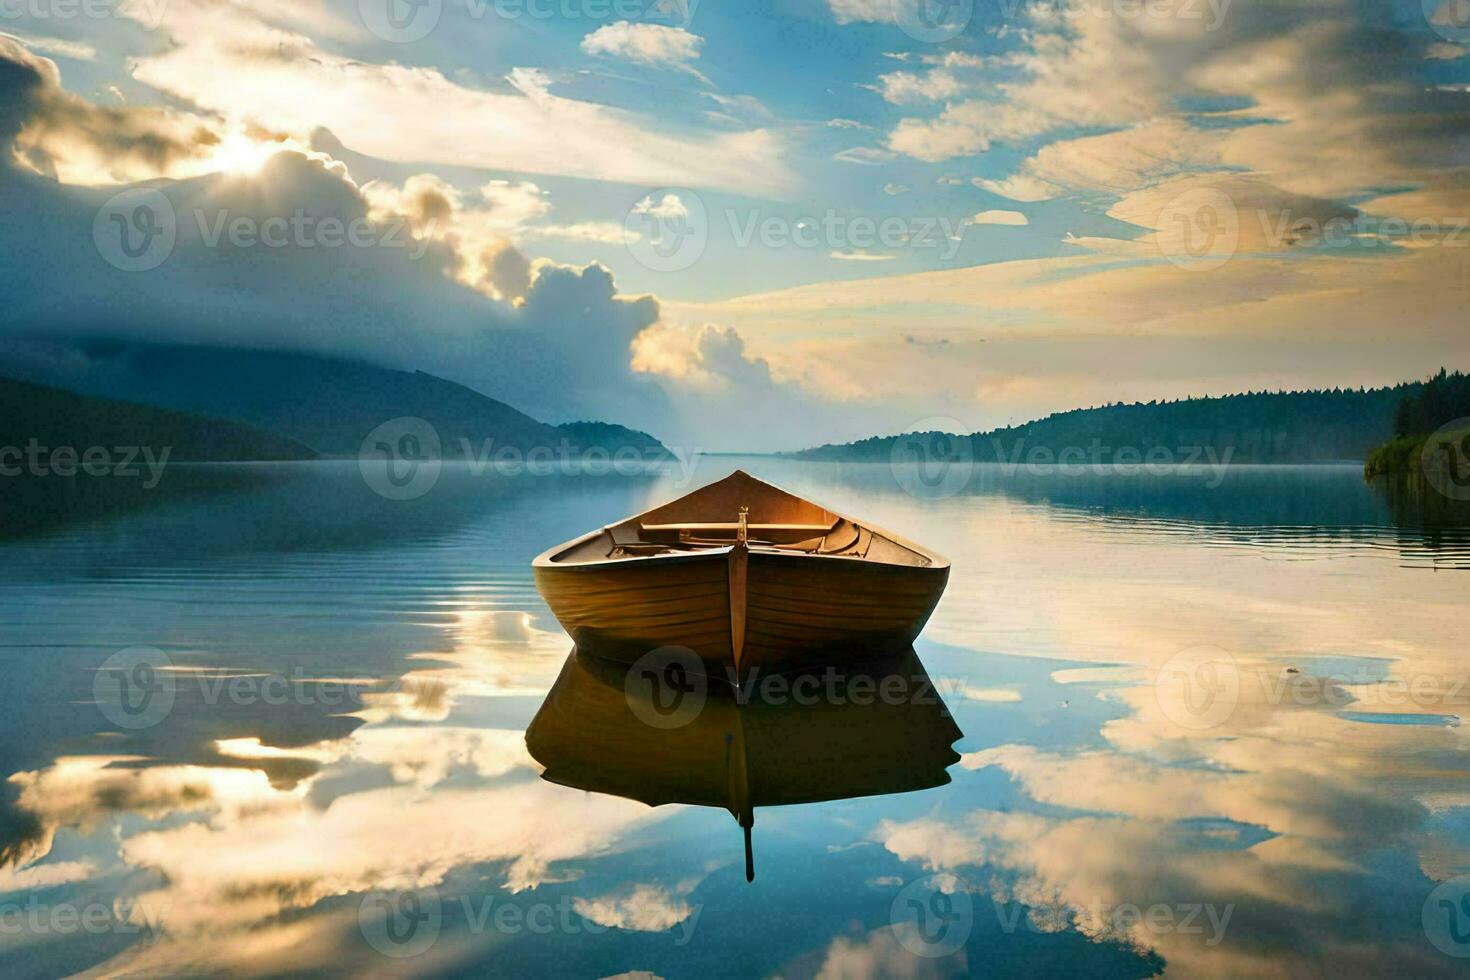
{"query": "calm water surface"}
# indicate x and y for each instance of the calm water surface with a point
(1211, 727)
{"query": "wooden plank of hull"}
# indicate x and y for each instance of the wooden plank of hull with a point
(624, 610)
(800, 610)
(805, 611)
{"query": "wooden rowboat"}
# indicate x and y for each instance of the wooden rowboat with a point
(749, 577)
(593, 733)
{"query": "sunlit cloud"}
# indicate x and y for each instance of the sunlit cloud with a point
(230, 62)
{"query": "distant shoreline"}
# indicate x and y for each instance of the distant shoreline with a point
(1413, 455)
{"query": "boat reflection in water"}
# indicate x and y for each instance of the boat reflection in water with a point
(660, 732)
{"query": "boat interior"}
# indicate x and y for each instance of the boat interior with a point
(739, 508)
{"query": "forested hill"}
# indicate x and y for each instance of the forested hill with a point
(1264, 427)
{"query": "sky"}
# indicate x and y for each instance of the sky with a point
(757, 225)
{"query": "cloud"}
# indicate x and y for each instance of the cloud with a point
(1331, 99)
(646, 44)
(1014, 218)
(353, 846)
(669, 207)
(338, 831)
(639, 908)
(1121, 161)
(862, 11)
(995, 695)
(1250, 323)
(730, 397)
(56, 46)
(480, 232)
(709, 357)
(948, 76)
(226, 60)
(867, 155)
(878, 954)
(603, 232)
(556, 343)
(42, 876)
(59, 134)
(906, 88)
(1019, 187)
(458, 294)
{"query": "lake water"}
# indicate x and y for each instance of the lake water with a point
(1211, 726)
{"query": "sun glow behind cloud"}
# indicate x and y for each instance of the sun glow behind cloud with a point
(241, 154)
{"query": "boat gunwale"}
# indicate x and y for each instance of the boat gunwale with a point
(547, 558)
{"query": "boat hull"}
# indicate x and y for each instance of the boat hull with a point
(781, 612)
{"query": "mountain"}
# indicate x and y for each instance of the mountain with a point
(49, 419)
(606, 433)
(1264, 427)
(327, 404)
